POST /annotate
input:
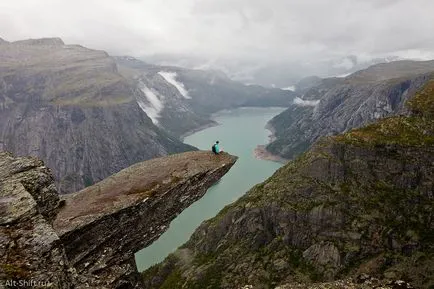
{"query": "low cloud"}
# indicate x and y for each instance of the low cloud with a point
(301, 102)
(300, 33)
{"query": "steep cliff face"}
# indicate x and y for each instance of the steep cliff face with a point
(340, 104)
(356, 203)
(186, 98)
(29, 247)
(169, 108)
(70, 107)
(88, 239)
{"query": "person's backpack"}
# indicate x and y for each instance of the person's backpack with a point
(213, 149)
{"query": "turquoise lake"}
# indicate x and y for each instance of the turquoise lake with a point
(240, 132)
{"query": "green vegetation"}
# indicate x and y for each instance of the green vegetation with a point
(13, 272)
(423, 102)
(174, 280)
(416, 130)
(407, 131)
(87, 180)
(89, 101)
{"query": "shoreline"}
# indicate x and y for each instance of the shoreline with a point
(261, 152)
(198, 129)
(214, 123)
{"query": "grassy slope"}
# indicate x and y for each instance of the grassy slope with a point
(63, 75)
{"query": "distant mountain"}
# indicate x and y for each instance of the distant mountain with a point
(306, 83)
(336, 105)
(391, 70)
(181, 100)
(71, 107)
(41, 41)
(282, 73)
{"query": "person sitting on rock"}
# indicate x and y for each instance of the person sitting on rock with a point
(216, 148)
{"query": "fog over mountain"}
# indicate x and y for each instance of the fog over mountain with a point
(256, 41)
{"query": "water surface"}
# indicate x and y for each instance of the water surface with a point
(240, 132)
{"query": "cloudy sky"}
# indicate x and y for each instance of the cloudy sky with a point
(255, 31)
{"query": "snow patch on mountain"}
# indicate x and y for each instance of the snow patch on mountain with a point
(170, 77)
(289, 88)
(301, 102)
(153, 104)
(344, 75)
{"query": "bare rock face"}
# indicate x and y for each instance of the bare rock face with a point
(69, 106)
(336, 105)
(30, 249)
(177, 115)
(95, 232)
(325, 256)
(33, 177)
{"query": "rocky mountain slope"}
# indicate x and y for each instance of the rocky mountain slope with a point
(337, 105)
(356, 203)
(88, 239)
(307, 83)
(182, 100)
(69, 106)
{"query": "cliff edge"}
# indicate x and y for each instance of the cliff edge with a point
(88, 239)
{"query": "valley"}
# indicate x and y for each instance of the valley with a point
(88, 115)
(239, 131)
(106, 171)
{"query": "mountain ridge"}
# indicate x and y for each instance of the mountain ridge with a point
(341, 104)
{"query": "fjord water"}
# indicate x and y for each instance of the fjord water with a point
(239, 133)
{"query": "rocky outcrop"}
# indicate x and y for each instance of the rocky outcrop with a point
(357, 203)
(69, 106)
(88, 239)
(361, 282)
(30, 249)
(337, 105)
